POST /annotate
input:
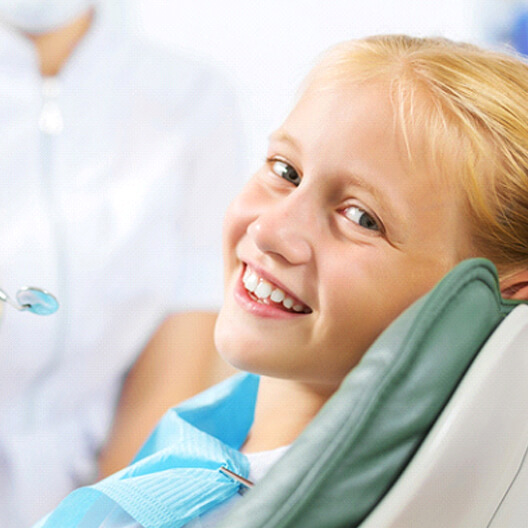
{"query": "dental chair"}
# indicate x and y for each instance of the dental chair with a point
(472, 468)
(430, 430)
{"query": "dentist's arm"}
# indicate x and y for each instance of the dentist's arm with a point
(179, 361)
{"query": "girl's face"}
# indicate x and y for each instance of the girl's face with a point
(331, 239)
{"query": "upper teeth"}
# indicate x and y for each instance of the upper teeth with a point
(265, 290)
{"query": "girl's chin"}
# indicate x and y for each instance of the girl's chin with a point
(235, 352)
(242, 354)
(226, 342)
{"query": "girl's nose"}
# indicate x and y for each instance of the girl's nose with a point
(284, 232)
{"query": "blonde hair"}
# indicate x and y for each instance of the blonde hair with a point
(471, 106)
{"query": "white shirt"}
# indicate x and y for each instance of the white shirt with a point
(115, 177)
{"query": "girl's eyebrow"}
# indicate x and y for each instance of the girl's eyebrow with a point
(355, 180)
(281, 136)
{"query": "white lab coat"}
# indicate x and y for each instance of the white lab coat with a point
(114, 182)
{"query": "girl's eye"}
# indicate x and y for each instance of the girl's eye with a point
(362, 218)
(282, 169)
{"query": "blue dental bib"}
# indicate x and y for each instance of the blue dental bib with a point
(175, 477)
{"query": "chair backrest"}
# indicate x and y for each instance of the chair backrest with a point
(358, 445)
(472, 468)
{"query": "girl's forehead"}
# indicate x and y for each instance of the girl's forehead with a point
(343, 103)
(350, 116)
(427, 136)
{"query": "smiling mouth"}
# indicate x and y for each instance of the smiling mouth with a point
(265, 292)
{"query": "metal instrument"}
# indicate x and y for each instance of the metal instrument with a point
(32, 299)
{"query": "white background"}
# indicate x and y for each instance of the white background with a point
(266, 47)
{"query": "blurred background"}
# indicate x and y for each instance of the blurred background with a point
(265, 48)
(125, 264)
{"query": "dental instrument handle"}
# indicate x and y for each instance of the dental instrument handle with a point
(228, 473)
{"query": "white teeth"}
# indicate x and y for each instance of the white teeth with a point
(251, 282)
(247, 273)
(277, 295)
(263, 290)
(288, 302)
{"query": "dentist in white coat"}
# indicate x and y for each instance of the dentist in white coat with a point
(117, 162)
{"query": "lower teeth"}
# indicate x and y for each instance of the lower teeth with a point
(268, 302)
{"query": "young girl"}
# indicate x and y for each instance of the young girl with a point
(401, 158)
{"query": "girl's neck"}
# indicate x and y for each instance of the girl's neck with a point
(54, 48)
(284, 408)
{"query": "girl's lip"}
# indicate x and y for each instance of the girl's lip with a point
(271, 311)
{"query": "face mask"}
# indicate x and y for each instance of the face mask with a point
(41, 16)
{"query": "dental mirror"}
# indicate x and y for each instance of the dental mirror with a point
(32, 299)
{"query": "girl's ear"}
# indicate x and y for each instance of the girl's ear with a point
(516, 287)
